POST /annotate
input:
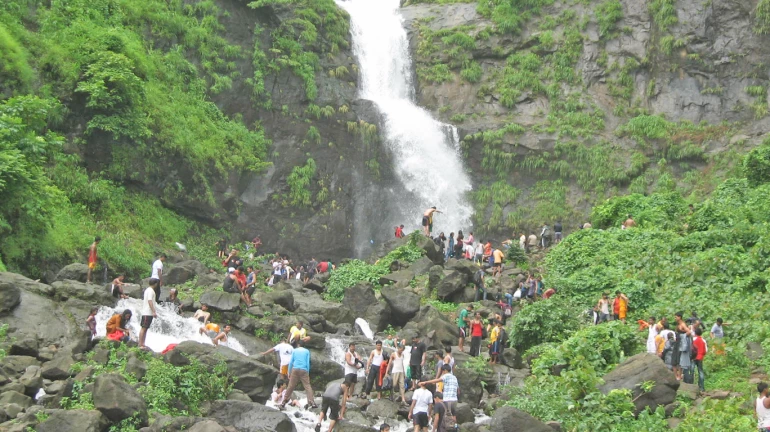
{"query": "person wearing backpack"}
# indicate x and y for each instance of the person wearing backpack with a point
(478, 281)
(700, 348)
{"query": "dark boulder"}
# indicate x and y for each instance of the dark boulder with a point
(135, 366)
(452, 286)
(313, 304)
(436, 329)
(400, 278)
(14, 366)
(117, 399)
(431, 249)
(382, 408)
(316, 285)
(254, 378)
(182, 272)
(59, 367)
(73, 421)
(464, 413)
(32, 380)
(468, 380)
(464, 266)
(250, 417)
(359, 297)
(283, 298)
(75, 272)
(404, 305)
(207, 426)
(323, 370)
(510, 419)
(635, 371)
(10, 297)
(421, 266)
(221, 301)
(69, 289)
(24, 347)
(13, 397)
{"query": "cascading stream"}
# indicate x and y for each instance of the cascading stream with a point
(168, 328)
(426, 153)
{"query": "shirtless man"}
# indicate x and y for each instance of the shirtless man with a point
(202, 314)
(222, 336)
(630, 222)
(117, 287)
(427, 220)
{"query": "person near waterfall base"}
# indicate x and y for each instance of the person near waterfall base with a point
(462, 324)
(117, 287)
(148, 311)
(157, 274)
(91, 321)
(400, 231)
(280, 392)
(373, 371)
(92, 258)
(222, 336)
(117, 326)
(417, 358)
(397, 371)
(330, 403)
(427, 220)
(299, 371)
(450, 389)
(352, 364)
(297, 333)
(284, 351)
(422, 401)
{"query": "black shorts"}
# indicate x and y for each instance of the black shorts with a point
(416, 372)
(351, 378)
(420, 419)
(425, 221)
(250, 290)
(116, 292)
(146, 321)
(332, 406)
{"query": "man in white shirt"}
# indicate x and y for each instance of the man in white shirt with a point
(419, 412)
(157, 274)
(148, 312)
(284, 351)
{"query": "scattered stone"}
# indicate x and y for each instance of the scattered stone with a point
(463, 413)
(451, 285)
(14, 397)
(59, 367)
(382, 408)
(239, 396)
(182, 272)
(14, 366)
(554, 425)
(10, 297)
(401, 278)
(687, 391)
(207, 426)
(75, 272)
(283, 298)
(136, 367)
(754, 351)
(32, 380)
(12, 410)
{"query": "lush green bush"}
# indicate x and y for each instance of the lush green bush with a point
(551, 320)
(756, 164)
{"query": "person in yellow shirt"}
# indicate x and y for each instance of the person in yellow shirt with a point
(497, 268)
(620, 306)
(298, 333)
(211, 330)
(494, 343)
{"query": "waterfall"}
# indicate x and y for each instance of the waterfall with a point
(365, 329)
(167, 328)
(425, 152)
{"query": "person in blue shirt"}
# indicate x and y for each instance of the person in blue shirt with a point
(299, 371)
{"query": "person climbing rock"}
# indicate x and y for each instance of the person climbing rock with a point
(427, 220)
(298, 333)
(284, 351)
(330, 403)
(299, 371)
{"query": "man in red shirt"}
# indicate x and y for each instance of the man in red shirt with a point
(323, 267)
(548, 293)
(400, 231)
(240, 278)
(476, 334)
(700, 344)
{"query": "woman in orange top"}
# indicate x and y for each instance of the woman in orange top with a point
(620, 306)
(117, 326)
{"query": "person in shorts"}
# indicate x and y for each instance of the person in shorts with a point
(331, 404)
(148, 312)
(422, 399)
(352, 364)
(284, 351)
(117, 287)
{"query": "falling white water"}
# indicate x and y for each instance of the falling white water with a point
(167, 328)
(365, 329)
(425, 152)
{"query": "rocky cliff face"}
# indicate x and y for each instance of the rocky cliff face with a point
(557, 112)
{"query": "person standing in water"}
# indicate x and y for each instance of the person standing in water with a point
(148, 312)
(427, 220)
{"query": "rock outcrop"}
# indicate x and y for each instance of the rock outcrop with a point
(636, 371)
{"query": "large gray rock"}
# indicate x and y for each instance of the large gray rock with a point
(10, 297)
(14, 397)
(383, 408)
(451, 285)
(250, 417)
(361, 300)
(182, 272)
(14, 366)
(59, 367)
(323, 370)
(207, 426)
(436, 329)
(25, 347)
(510, 419)
(464, 266)
(468, 380)
(73, 421)
(421, 266)
(404, 305)
(221, 301)
(75, 272)
(71, 289)
(349, 426)
(254, 378)
(312, 303)
(464, 413)
(283, 298)
(636, 370)
(117, 399)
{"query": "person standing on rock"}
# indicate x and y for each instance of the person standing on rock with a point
(450, 389)
(557, 232)
(92, 258)
(701, 348)
(603, 307)
(531, 242)
(299, 371)
(148, 312)
(478, 282)
(419, 412)
(400, 232)
(477, 333)
(373, 371)
(397, 371)
(652, 333)
(427, 220)
(284, 351)
(620, 306)
(352, 364)
(497, 267)
(462, 324)
(478, 252)
(331, 403)
(157, 274)
(417, 358)
(494, 343)
(762, 408)
(450, 248)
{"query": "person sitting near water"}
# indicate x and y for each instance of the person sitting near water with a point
(117, 287)
(117, 326)
(173, 300)
(202, 314)
(280, 392)
(222, 336)
(210, 329)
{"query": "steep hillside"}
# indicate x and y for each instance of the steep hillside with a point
(564, 103)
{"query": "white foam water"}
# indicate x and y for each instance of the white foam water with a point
(365, 329)
(426, 152)
(167, 328)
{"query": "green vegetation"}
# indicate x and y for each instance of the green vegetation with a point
(299, 182)
(356, 271)
(167, 389)
(607, 14)
(762, 17)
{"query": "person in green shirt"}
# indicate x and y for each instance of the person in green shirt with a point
(462, 324)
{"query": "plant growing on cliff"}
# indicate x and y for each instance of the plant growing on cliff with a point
(762, 17)
(299, 182)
